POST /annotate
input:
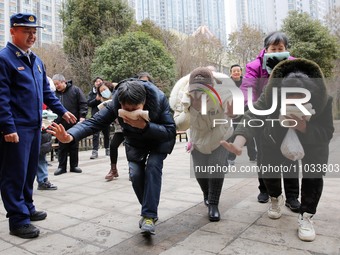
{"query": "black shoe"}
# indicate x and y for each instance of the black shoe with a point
(263, 197)
(38, 215)
(76, 170)
(60, 171)
(293, 204)
(205, 200)
(214, 214)
(253, 160)
(25, 231)
(47, 185)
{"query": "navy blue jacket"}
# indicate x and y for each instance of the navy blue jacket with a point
(21, 97)
(158, 136)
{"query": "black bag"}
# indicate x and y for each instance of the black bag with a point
(46, 143)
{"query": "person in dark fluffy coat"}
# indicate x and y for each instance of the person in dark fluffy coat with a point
(147, 140)
(314, 135)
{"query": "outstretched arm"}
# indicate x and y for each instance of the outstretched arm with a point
(236, 146)
(60, 133)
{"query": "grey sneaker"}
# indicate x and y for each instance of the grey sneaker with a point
(274, 211)
(263, 197)
(107, 152)
(47, 185)
(94, 154)
(293, 204)
(147, 226)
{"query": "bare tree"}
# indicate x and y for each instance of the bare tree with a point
(183, 57)
(81, 60)
(200, 49)
(332, 20)
(244, 44)
(76, 69)
(54, 59)
(197, 50)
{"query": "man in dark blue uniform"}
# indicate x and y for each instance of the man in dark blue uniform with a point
(23, 90)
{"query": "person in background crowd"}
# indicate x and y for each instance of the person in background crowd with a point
(46, 147)
(24, 88)
(256, 79)
(117, 138)
(236, 76)
(93, 101)
(73, 99)
(105, 91)
(145, 76)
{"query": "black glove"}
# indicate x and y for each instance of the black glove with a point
(272, 62)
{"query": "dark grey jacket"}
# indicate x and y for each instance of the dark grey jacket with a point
(74, 100)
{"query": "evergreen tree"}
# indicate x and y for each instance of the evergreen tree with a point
(311, 40)
(134, 52)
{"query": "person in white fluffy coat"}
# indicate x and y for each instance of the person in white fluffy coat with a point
(198, 100)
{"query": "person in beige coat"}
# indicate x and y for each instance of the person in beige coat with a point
(201, 101)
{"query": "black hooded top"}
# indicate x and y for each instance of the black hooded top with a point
(319, 130)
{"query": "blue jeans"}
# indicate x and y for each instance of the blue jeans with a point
(146, 177)
(42, 172)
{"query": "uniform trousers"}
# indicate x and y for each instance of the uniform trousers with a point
(18, 168)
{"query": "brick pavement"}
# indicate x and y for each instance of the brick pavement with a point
(88, 215)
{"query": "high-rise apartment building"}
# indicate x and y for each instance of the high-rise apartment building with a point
(268, 15)
(220, 16)
(184, 16)
(47, 12)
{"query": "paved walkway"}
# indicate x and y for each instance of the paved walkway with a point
(88, 215)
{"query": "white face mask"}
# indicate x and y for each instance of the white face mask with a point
(278, 55)
(106, 93)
